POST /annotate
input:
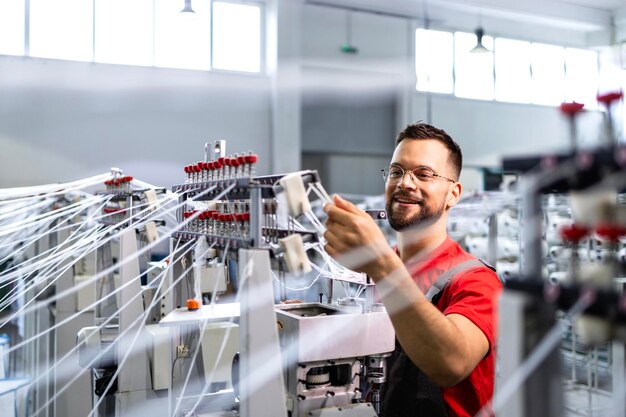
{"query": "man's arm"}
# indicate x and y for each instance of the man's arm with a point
(446, 348)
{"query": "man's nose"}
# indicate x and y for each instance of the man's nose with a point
(407, 182)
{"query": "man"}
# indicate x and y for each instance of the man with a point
(445, 360)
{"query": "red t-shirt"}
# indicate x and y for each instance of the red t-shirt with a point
(472, 293)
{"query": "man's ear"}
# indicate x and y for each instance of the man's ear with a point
(454, 195)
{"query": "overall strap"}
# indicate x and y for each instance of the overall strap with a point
(444, 278)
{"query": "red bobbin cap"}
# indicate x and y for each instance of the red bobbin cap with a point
(573, 233)
(571, 108)
(251, 159)
(611, 232)
(610, 97)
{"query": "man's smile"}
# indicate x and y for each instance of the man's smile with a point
(402, 199)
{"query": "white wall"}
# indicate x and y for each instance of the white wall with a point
(353, 103)
(63, 120)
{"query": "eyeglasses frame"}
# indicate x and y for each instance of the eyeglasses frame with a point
(412, 172)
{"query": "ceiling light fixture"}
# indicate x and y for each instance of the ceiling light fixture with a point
(187, 10)
(479, 48)
(347, 47)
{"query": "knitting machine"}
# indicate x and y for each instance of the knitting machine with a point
(239, 221)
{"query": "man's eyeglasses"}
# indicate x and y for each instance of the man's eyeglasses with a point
(394, 174)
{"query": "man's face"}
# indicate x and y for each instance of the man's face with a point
(410, 201)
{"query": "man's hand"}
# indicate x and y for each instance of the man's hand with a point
(356, 241)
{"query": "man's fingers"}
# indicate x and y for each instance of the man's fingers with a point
(339, 229)
(345, 204)
(339, 215)
(333, 240)
(330, 250)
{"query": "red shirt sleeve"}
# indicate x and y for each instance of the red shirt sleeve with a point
(474, 295)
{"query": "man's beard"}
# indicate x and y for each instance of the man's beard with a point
(424, 218)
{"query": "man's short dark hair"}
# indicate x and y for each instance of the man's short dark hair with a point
(421, 130)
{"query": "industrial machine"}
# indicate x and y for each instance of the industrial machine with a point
(568, 295)
(126, 375)
(251, 223)
(332, 371)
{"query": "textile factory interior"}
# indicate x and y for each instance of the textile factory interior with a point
(193, 196)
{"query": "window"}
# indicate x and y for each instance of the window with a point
(581, 77)
(180, 41)
(222, 34)
(548, 69)
(61, 29)
(516, 71)
(434, 61)
(236, 37)
(124, 32)
(473, 72)
(513, 79)
(12, 27)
